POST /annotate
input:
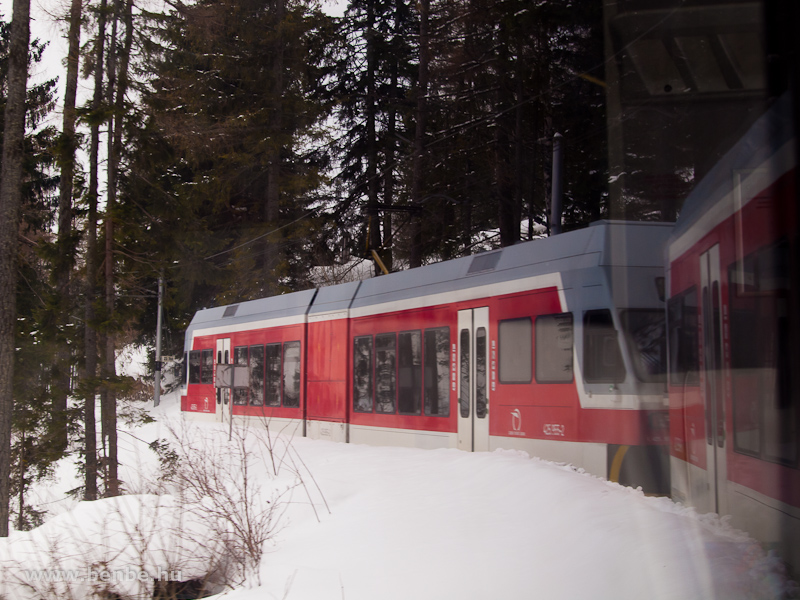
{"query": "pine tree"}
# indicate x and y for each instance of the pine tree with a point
(507, 76)
(63, 257)
(223, 171)
(372, 76)
(10, 200)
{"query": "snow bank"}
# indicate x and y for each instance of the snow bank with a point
(121, 544)
(359, 522)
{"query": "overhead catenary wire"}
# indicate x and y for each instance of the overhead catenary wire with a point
(263, 235)
(442, 136)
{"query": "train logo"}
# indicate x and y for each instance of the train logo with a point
(516, 420)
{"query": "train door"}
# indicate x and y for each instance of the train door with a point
(473, 379)
(713, 379)
(223, 394)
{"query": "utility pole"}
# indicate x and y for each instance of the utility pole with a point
(556, 199)
(157, 391)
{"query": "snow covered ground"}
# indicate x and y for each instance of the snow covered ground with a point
(356, 522)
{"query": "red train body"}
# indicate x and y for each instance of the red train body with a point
(733, 414)
(552, 347)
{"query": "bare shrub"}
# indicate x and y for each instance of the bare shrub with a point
(219, 478)
(217, 502)
(119, 547)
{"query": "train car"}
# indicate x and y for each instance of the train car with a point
(265, 336)
(733, 413)
(554, 346)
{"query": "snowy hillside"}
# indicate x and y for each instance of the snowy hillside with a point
(356, 522)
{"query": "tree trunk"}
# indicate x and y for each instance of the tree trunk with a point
(106, 340)
(115, 153)
(107, 396)
(66, 249)
(503, 185)
(371, 108)
(10, 200)
(614, 119)
(519, 132)
(387, 256)
(21, 482)
(90, 375)
(272, 210)
(415, 259)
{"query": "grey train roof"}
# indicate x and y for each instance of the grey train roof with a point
(334, 298)
(287, 305)
(604, 244)
(770, 132)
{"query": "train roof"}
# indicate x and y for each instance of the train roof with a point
(285, 306)
(604, 243)
(334, 298)
(711, 200)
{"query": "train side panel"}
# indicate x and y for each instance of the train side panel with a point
(733, 414)
(277, 391)
(328, 367)
(393, 355)
(545, 347)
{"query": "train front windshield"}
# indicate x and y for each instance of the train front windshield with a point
(645, 330)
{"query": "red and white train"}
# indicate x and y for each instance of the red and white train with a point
(732, 338)
(554, 346)
(559, 347)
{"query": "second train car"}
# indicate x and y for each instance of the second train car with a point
(554, 346)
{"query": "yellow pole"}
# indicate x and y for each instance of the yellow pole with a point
(379, 262)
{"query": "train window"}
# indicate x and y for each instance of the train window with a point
(554, 343)
(515, 344)
(764, 417)
(240, 359)
(256, 375)
(645, 329)
(385, 372)
(464, 374)
(362, 374)
(684, 362)
(272, 387)
(195, 366)
(207, 371)
(480, 374)
(602, 358)
(291, 374)
(437, 372)
(409, 373)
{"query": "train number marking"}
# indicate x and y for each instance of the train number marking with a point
(454, 367)
(553, 429)
(494, 366)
